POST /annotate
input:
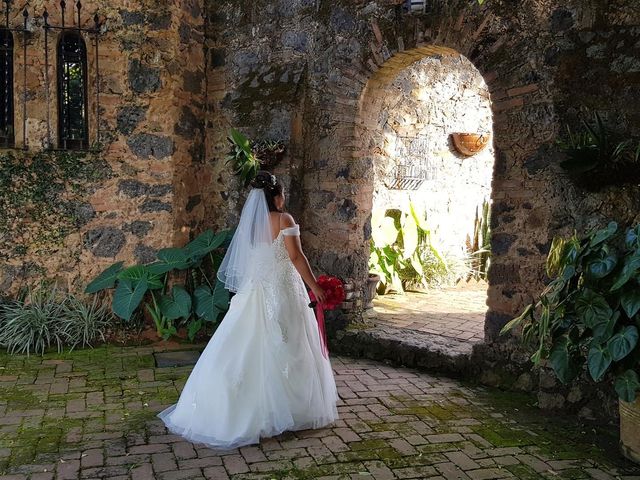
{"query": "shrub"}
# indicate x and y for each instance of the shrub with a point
(82, 323)
(47, 318)
(31, 325)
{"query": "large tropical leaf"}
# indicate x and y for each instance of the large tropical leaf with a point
(561, 361)
(178, 305)
(176, 258)
(604, 234)
(107, 279)
(630, 300)
(554, 258)
(134, 273)
(632, 239)
(385, 233)
(528, 311)
(598, 361)
(205, 306)
(420, 220)
(127, 297)
(137, 273)
(630, 268)
(193, 328)
(593, 308)
(627, 386)
(409, 236)
(221, 297)
(206, 242)
(603, 331)
(623, 342)
(602, 265)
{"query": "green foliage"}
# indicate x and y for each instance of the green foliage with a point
(588, 315)
(193, 304)
(39, 197)
(597, 157)
(402, 252)
(83, 322)
(47, 318)
(242, 159)
(480, 247)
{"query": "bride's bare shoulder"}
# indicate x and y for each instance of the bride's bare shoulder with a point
(287, 221)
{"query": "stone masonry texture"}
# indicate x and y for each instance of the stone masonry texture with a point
(175, 76)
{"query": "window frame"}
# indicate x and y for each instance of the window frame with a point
(7, 134)
(64, 118)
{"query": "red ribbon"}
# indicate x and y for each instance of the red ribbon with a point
(321, 329)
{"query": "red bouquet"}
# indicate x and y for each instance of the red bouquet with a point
(334, 290)
(334, 296)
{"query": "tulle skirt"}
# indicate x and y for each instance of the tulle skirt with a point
(261, 374)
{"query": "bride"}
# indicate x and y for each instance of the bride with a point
(263, 372)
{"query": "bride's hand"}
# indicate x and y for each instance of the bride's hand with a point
(319, 293)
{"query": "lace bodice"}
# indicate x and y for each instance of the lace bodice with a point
(278, 244)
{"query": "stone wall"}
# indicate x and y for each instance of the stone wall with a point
(424, 105)
(317, 72)
(151, 115)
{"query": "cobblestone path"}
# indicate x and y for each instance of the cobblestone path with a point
(91, 414)
(456, 312)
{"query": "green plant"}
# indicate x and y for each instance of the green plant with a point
(199, 300)
(269, 152)
(402, 251)
(31, 324)
(589, 312)
(480, 247)
(44, 317)
(81, 323)
(243, 160)
(42, 197)
(596, 156)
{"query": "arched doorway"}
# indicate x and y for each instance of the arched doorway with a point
(431, 196)
(339, 188)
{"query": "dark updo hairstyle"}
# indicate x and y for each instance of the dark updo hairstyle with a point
(271, 186)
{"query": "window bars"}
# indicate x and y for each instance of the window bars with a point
(7, 129)
(413, 168)
(71, 81)
(73, 124)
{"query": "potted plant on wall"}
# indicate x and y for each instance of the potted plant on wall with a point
(588, 317)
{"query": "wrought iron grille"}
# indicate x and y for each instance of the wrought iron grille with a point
(73, 128)
(6, 83)
(7, 79)
(413, 168)
(72, 83)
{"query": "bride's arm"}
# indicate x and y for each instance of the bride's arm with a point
(299, 259)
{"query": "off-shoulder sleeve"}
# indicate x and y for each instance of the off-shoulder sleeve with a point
(291, 231)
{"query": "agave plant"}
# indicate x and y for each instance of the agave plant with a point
(200, 303)
(480, 248)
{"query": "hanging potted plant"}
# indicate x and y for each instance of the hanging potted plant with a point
(270, 152)
(588, 317)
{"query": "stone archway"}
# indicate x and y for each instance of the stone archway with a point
(520, 98)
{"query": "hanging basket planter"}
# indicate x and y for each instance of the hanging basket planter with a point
(269, 152)
(470, 143)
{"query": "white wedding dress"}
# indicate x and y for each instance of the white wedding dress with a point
(263, 371)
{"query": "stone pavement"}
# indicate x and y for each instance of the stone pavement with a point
(91, 414)
(456, 312)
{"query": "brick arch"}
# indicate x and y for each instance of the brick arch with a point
(472, 33)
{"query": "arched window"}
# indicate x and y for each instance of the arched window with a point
(6, 88)
(72, 92)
